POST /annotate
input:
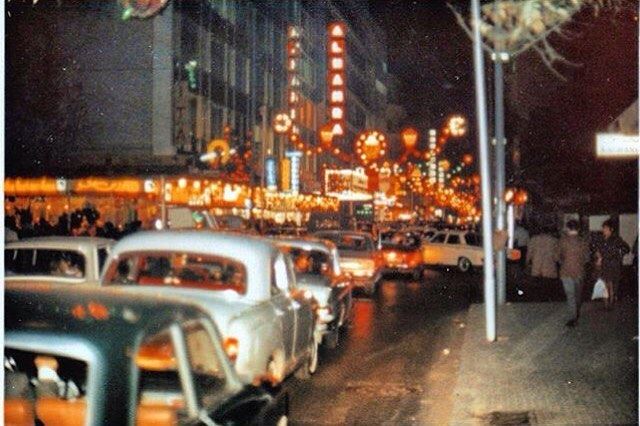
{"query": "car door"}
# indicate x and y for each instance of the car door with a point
(284, 307)
(303, 311)
(452, 251)
(433, 252)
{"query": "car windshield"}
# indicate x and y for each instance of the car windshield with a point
(350, 242)
(47, 262)
(178, 269)
(402, 241)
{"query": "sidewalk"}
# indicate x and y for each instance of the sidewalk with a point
(553, 374)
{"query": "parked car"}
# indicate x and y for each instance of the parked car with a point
(454, 248)
(317, 267)
(87, 355)
(245, 283)
(401, 253)
(458, 248)
(358, 257)
(72, 260)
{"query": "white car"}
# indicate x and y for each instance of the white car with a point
(454, 248)
(245, 283)
(72, 260)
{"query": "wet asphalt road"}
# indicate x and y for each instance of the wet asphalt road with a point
(388, 367)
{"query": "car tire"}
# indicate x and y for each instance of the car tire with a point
(310, 365)
(464, 264)
(331, 340)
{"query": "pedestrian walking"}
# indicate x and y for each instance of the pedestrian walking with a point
(521, 241)
(573, 255)
(609, 253)
(542, 255)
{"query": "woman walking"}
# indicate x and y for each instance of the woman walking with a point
(609, 255)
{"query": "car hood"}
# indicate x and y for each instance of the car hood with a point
(350, 254)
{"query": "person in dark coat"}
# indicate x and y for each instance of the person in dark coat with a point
(609, 255)
(573, 254)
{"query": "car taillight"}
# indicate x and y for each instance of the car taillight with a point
(231, 347)
(415, 258)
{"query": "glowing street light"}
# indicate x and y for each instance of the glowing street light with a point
(457, 126)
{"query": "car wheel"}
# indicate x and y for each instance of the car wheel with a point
(464, 264)
(331, 340)
(310, 366)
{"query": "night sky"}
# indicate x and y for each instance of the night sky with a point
(555, 121)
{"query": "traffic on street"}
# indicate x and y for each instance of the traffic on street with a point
(261, 212)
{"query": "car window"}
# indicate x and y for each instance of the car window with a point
(159, 378)
(67, 381)
(473, 239)
(439, 238)
(402, 241)
(311, 262)
(48, 262)
(453, 239)
(178, 269)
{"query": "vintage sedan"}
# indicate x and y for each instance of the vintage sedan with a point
(72, 260)
(358, 257)
(78, 355)
(458, 248)
(401, 254)
(317, 267)
(246, 284)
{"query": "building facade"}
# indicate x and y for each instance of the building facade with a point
(108, 95)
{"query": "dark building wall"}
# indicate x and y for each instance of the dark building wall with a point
(79, 80)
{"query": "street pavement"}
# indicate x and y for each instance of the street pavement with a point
(416, 354)
(395, 365)
(543, 372)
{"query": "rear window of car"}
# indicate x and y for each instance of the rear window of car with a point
(453, 239)
(178, 269)
(47, 262)
(312, 262)
(349, 242)
(473, 239)
(402, 241)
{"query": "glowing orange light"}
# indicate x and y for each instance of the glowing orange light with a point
(337, 113)
(409, 138)
(336, 29)
(337, 64)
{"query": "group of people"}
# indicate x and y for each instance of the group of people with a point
(81, 222)
(549, 258)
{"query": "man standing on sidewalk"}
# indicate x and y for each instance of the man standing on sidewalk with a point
(573, 254)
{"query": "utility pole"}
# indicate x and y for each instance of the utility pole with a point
(499, 56)
(483, 139)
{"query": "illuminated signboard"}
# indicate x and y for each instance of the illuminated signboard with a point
(347, 184)
(285, 175)
(295, 157)
(271, 174)
(336, 76)
(293, 80)
(617, 145)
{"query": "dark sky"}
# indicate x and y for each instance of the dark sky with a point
(431, 56)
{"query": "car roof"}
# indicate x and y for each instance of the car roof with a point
(61, 242)
(319, 234)
(311, 243)
(104, 316)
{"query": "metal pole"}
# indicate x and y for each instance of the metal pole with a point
(163, 202)
(501, 258)
(481, 112)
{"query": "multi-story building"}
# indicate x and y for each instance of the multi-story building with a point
(108, 95)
